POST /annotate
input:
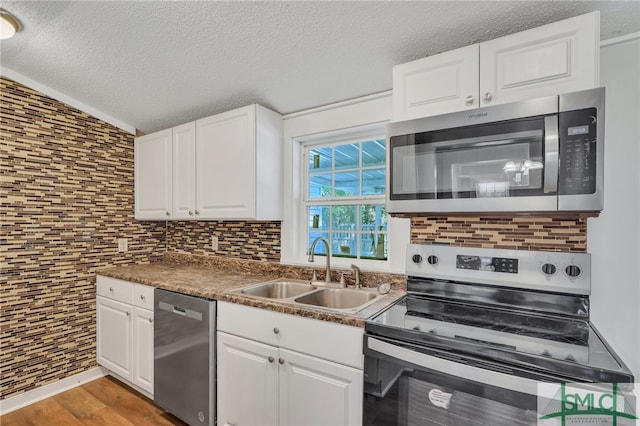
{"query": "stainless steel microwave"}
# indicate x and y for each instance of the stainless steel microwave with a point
(544, 154)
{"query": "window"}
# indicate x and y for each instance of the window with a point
(344, 201)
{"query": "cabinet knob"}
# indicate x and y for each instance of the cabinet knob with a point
(276, 330)
(469, 100)
(167, 213)
(150, 320)
(281, 361)
(128, 314)
(488, 97)
(190, 213)
(197, 212)
(271, 359)
(142, 297)
(110, 289)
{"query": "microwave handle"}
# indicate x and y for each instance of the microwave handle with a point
(551, 154)
(452, 368)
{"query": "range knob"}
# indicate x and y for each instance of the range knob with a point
(432, 260)
(417, 259)
(549, 269)
(573, 271)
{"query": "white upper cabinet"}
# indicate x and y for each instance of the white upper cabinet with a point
(153, 176)
(238, 163)
(557, 58)
(436, 85)
(227, 166)
(184, 171)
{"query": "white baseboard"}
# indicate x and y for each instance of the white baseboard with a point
(38, 394)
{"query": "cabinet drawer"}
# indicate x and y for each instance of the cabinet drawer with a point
(333, 342)
(143, 296)
(113, 288)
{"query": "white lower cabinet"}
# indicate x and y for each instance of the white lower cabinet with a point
(262, 382)
(115, 336)
(124, 331)
(247, 382)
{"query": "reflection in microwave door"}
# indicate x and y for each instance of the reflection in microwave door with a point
(492, 189)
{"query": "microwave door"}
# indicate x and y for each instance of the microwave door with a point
(492, 167)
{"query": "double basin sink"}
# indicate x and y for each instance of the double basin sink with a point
(317, 294)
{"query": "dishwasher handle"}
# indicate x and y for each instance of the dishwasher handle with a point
(178, 310)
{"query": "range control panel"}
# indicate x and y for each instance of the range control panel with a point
(485, 263)
(535, 270)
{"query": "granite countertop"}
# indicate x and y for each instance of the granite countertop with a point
(220, 279)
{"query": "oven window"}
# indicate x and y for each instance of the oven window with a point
(396, 394)
(494, 160)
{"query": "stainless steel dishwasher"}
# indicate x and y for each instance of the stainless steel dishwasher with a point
(184, 356)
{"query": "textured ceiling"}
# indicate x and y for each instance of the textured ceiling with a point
(158, 64)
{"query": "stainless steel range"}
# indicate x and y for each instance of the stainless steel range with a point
(476, 333)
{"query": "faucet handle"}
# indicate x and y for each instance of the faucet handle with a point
(343, 284)
(315, 276)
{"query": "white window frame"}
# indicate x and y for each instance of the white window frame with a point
(355, 136)
(368, 114)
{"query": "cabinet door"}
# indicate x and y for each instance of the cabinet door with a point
(143, 349)
(557, 58)
(318, 392)
(114, 336)
(184, 171)
(225, 164)
(153, 176)
(436, 85)
(247, 382)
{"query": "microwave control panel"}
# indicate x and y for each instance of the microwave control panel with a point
(577, 140)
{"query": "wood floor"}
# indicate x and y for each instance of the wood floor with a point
(104, 401)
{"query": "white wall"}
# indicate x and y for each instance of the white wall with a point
(336, 118)
(614, 237)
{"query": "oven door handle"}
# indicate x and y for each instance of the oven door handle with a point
(452, 368)
(551, 148)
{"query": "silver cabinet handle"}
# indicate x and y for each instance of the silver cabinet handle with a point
(469, 100)
(276, 330)
(488, 97)
(271, 359)
(281, 361)
(190, 213)
(167, 213)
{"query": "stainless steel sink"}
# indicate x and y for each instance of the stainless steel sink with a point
(314, 294)
(339, 298)
(279, 289)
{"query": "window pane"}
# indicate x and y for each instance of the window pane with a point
(320, 159)
(345, 244)
(318, 218)
(344, 218)
(373, 181)
(320, 248)
(374, 153)
(320, 186)
(347, 156)
(373, 217)
(373, 245)
(347, 184)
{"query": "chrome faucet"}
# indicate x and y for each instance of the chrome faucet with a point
(357, 272)
(326, 245)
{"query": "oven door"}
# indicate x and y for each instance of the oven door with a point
(508, 165)
(411, 385)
